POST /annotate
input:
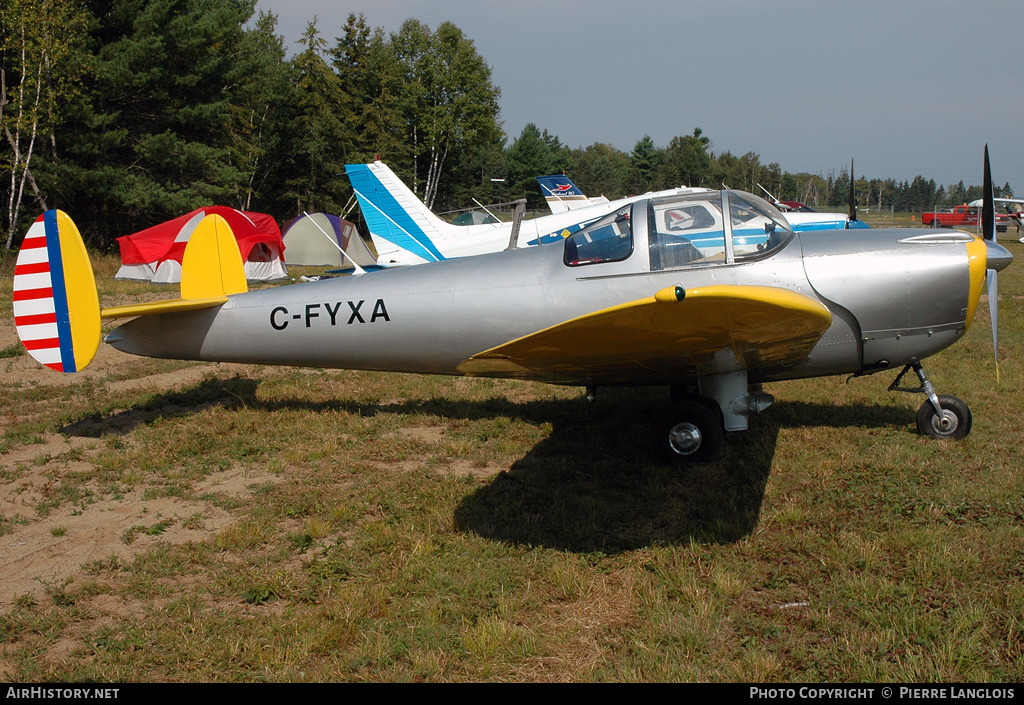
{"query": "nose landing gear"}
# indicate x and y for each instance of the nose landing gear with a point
(942, 415)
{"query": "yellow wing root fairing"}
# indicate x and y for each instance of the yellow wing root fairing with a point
(701, 331)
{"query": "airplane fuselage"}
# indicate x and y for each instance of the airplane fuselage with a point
(896, 296)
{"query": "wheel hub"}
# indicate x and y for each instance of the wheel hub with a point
(946, 423)
(684, 438)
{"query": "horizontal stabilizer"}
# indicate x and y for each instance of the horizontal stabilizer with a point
(56, 307)
(163, 307)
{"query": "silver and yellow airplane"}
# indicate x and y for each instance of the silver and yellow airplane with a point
(709, 294)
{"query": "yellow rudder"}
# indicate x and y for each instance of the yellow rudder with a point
(212, 264)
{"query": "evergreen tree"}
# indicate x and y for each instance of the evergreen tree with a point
(528, 157)
(318, 140)
(260, 106)
(601, 169)
(644, 164)
(686, 161)
(154, 136)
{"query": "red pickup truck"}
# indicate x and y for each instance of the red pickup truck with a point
(961, 216)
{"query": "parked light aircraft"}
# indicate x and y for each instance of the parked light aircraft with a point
(562, 194)
(806, 218)
(710, 294)
(404, 231)
(1014, 207)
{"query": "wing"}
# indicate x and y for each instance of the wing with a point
(673, 335)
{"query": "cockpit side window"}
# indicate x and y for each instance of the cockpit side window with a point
(610, 239)
(686, 231)
(689, 230)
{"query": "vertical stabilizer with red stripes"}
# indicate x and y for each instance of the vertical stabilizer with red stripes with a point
(56, 308)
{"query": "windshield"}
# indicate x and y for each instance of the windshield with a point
(757, 226)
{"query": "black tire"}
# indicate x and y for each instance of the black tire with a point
(695, 434)
(956, 412)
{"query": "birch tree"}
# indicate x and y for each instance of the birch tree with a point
(40, 59)
(451, 102)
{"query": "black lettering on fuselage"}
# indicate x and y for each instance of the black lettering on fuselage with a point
(280, 316)
(310, 314)
(333, 312)
(355, 312)
(379, 312)
(273, 320)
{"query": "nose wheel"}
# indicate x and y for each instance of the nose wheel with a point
(953, 422)
(942, 415)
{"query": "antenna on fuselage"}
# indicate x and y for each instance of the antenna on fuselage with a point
(344, 255)
(768, 193)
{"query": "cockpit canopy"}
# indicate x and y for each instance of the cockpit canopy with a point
(686, 230)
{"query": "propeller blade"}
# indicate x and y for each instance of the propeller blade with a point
(988, 206)
(853, 198)
(993, 312)
(988, 230)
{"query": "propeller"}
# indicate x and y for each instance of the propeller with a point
(988, 231)
(853, 198)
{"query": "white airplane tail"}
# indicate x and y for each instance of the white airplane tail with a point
(563, 195)
(396, 217)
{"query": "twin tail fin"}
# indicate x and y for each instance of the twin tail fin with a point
(56, 306)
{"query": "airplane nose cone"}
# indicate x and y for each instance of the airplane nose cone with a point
(997, 256)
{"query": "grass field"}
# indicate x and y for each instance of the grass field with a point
(301, 525)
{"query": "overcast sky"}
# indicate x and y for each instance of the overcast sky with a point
(905, 87)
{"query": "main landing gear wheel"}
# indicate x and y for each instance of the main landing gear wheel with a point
(694, 436)
(955, 421)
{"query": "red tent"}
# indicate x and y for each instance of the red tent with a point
(154, 254)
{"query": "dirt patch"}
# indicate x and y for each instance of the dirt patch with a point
(43, 552)
(44, 549)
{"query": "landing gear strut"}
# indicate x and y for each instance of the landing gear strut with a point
(942, 415)
(704, 412)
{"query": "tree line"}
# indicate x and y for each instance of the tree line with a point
(126, 113)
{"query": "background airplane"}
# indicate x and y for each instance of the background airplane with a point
(562, 194)
(659, 291)
(803, 217)
(404, 231)
(1014, 207)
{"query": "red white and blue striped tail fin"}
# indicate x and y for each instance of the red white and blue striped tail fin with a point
(56, 307)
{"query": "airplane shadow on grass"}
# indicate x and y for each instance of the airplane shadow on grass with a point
(597, 483)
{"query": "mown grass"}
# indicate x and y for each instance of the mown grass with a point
(408, 528)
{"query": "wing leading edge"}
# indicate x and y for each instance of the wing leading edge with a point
(673, 334)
